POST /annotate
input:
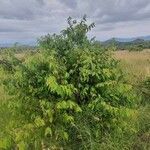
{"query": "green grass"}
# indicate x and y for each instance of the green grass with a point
(136, 67)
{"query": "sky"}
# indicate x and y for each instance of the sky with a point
(27, 20)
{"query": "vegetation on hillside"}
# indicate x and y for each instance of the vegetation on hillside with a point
(135, 45)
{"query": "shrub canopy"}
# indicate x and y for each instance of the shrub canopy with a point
(69, 94)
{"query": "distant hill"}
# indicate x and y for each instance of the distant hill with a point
(30, 43)
(124, 44)
(110, 41)
(6, 45)
(146, 38)
(138, 41)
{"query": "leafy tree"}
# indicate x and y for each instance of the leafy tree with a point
(70, 93)
(74, 36)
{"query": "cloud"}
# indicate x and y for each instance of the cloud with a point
(29, 19)
(69, 3)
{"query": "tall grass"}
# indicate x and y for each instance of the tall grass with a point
(136, 65)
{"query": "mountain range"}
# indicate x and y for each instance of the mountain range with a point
(25, 43)
(122, 40)
(145, 38)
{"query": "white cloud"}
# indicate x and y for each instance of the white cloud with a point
(29, 19)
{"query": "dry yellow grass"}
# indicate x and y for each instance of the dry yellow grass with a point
(135, 64)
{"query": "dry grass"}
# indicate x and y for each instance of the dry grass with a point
(135, 64)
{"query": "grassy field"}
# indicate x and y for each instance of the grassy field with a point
(135, 64)
(136, 67)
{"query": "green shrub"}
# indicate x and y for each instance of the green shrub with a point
(69, 95)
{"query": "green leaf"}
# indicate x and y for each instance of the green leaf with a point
(48, 131)
(21, 146)
(65, 135)
(39, 122)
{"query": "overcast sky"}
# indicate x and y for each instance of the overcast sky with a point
(26, 20)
